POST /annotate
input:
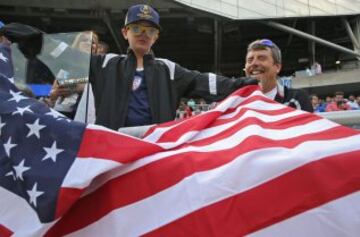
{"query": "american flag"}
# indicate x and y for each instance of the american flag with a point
(250, 167)
(6, 67)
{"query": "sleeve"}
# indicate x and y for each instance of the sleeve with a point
(209, 86)
(304, 100)
(28, 38)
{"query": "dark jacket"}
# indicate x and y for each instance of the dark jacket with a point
(167, 82)
(295, 98)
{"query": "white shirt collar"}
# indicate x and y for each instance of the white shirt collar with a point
(278, 89)
(271, 94)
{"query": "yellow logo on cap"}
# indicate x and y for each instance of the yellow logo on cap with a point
(145, 12)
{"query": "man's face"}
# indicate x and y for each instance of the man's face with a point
(314, 100)
(339, 98)
(141, 36)
(260, 65)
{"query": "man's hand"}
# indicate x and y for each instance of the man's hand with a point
(64, 91)
(246, 81)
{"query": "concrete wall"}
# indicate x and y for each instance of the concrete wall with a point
(328, 79)
(326, 84)
(260, 9)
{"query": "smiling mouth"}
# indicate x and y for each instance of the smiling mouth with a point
(255, 73)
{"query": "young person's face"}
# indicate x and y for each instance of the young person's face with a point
(141, 36)
(315, 100)
(88, 41)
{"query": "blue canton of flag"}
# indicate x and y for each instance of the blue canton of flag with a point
(6, 67)
(38, 146)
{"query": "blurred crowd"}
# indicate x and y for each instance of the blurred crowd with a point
(335, 103)
(191, 107)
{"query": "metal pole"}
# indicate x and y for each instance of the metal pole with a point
(357, 32)
(312, 43)
(217, 45)
(120, 45)
(310, 37)
(351, 34)
(291, 35)
(357, 28)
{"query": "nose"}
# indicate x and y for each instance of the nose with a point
(255, 61)
(143, 34)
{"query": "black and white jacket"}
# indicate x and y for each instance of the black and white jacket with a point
(167, 82)
(295, 98)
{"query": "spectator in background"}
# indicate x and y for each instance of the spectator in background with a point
(191, 103)
(102, 48)
(328, 100)
(203, 105)
(263, 62)
(309, 72)
(352, 102)
(65, 98)
(338, 104)
(316, 68)
(85, 41)
(184, 111)
(358, 100)
(317, 106)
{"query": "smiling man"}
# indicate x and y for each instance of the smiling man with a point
(139, 89)
(263, 62)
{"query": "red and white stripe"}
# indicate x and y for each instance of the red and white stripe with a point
(248, 167)
(175, 193)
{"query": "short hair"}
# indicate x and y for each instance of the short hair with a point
(89, 36)
(339, 93)
(262, 44)
(104, 45)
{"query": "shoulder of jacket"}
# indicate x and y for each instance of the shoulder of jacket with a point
(169, 64)
(297, 92)
(112, 56)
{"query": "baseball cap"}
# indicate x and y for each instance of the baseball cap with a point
(1, 24)
(142, 12)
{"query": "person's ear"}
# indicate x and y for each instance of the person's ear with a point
(124, 32)
(278, 67)
(157, 37)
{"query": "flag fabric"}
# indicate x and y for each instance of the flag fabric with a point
(249, 167)
(6, 67)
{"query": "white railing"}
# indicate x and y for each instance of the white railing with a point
(349, 118)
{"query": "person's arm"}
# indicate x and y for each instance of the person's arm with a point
(304, 101)
(28, 38)
(209, 86)
(4, 40)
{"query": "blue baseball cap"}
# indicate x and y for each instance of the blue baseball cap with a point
(1, 24)
(142, 12)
